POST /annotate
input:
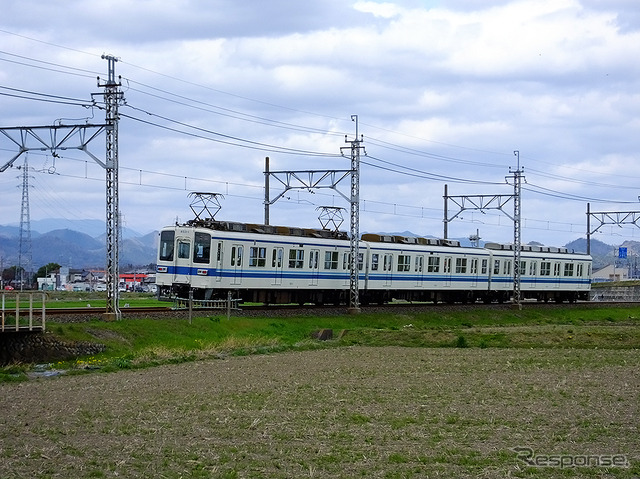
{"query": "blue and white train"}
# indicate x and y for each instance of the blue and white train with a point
(277, 265)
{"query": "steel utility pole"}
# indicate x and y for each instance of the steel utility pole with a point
(517, 239)
(310, 179)
(618, 218)
(354, 299)
(112, 97)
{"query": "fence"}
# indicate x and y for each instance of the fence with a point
(17, 312)
(189, 303)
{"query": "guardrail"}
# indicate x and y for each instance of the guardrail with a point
(17, 312)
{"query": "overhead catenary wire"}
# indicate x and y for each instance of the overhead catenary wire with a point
(265, 121)
(395, 167)
(63, 69)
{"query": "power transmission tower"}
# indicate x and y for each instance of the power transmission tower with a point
(63, 137)
(25, 256)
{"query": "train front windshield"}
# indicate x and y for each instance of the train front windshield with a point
(167, 239)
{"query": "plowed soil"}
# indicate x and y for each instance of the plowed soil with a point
(348, 412)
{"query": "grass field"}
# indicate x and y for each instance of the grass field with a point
(531, 393)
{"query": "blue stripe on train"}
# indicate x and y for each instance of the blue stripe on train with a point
(397, 278)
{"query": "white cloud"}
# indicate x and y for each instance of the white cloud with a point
(443, 88)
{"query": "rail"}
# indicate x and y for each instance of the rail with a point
(18, 314)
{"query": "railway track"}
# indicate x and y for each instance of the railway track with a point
(292, 310)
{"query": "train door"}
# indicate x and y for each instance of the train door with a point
(556, 274)
(277, 260)
(446, 269)
(387, 268)
(218, 261)
(182, 260)
(237, 253)
(473, 269)
(419, 269)
(314, 259)
(532, 278)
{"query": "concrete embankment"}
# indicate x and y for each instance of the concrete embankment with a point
(35, 347)
(616, 293)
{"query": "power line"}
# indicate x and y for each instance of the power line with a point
(45, 97)
(237, 141)
(227, 112)
(568, 196)
(423, 174)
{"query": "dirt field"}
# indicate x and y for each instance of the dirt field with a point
(349, 412)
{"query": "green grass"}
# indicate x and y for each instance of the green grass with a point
(136, 343)
(77, 299)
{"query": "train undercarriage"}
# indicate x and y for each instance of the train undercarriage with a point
(366, 297)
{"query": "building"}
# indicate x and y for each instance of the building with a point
(610, 273)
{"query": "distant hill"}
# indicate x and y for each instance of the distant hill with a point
(86, 248)
(76, 249)
(93, 228)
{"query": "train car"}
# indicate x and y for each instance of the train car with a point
(275, 265)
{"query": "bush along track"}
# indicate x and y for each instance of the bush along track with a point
(146, 341)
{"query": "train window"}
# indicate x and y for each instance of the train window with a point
(296, 258)
(276, 258)
(201, 248)
(374, 261)
(166, 245)
(388, 262)
(184, 246)
(507, 267)
(485, 266)
(556, 269)
(236, 255)
(461, 265)
(360, 261)
(313, 259)
(345, 261)
(579, 270)
(219, 256)
(433, 264)
(419, 264)
(447, 265)
(533, 268)
(257, 256)
(330, 260)
(474, 266)
(404, 262)
(496, 267)
(568, 269)
(545, 268)
(523, 268)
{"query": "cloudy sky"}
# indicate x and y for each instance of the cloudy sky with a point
(444, 93)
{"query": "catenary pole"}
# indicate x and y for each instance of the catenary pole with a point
(112, 97)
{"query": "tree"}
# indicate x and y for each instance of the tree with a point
(44, 271)
(11, 273)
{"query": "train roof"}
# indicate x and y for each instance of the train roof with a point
(267, 229)
(369, 237)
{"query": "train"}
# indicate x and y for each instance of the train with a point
(279, 265)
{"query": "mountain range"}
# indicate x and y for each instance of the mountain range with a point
(81, 244)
